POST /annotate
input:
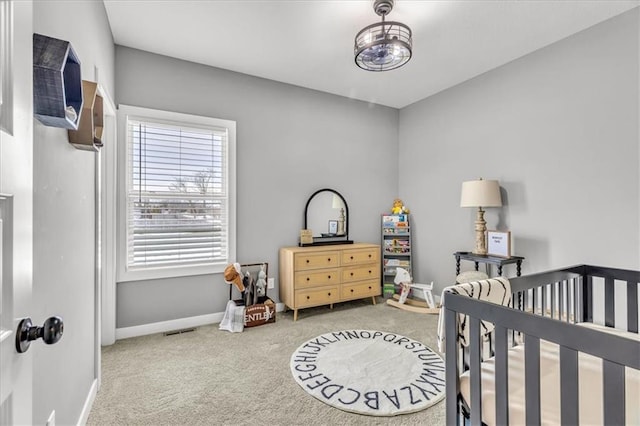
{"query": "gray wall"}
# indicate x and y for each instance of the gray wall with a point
(64, 224)
(291, 141)
(559, 129)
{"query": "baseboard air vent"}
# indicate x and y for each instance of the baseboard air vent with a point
(180, 331)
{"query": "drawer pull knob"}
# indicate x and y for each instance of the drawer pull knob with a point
(308, 297)
(308, 279)
(352, 274)
(307, 260)
(328, 259)
(351, 257)
(369, 271)
(328, 277)
(329, 293)
(352, 290)
(369, 287)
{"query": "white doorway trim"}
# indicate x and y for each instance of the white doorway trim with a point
(107, 193)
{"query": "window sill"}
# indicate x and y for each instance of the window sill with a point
(169, 272)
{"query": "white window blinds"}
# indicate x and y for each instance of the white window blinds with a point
(177, 194)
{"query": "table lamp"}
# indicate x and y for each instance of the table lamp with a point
(338, 204)
(480, 193)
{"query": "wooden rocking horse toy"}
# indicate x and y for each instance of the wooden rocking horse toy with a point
(402, 301)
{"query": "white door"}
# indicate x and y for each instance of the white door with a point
(16, 207)
(10, 361)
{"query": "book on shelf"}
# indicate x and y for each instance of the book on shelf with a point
(396, 262)
(392, 270)
(399, 220)
(388, 289)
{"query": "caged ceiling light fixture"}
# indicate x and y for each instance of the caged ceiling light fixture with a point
(383, 46)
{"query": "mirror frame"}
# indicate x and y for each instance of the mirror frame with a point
(323, 241)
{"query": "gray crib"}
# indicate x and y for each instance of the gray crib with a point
(546, 308)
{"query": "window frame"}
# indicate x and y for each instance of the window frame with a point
(124, 273)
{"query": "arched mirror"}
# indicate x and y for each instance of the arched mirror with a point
(326, 215)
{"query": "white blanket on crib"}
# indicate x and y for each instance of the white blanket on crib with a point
(494, 290)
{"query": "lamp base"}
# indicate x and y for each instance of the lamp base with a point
(481, 228)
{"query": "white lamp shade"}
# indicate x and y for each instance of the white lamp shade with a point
(337, 202)
(480, 193)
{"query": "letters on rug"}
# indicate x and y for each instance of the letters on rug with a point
(369, 372)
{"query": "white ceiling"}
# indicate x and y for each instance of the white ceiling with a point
(309, 43)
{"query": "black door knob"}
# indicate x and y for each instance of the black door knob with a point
(51, 332)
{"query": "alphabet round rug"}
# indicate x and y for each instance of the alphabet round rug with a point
(370, 372)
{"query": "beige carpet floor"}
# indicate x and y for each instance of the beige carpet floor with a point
(213, 377)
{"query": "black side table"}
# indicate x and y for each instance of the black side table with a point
(493, 260)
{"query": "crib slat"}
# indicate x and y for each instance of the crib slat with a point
(534, 300)
(568, 386)
(614, 393)
(532, 379)
(451, 371)
(502, 384)
(574, 287)
(609, 314)
(587, 298)
(560, 300)
(544, 300)
(566, 303)
(553, 300)
(475, 371)
(632, 306)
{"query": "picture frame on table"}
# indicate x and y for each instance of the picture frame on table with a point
(499, 243)
(333, 227)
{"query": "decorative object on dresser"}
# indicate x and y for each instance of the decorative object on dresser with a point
(480, 193)
(324, 207)
(57, 83)
(396, 248)
(316, 276)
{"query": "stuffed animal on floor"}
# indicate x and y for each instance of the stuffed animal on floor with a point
(261, 283)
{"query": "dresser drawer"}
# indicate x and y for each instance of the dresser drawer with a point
(315, 278)
(360, 290)
(323, 259)
(315, 297)
(359, 273)
(354, 257)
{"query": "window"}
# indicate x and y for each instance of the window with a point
(177, 203)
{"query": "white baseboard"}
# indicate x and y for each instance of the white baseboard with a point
(176, 324)
(88, 403)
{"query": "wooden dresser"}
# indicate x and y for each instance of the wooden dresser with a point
(324, 275)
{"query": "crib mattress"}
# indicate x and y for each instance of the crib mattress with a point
(589, 383)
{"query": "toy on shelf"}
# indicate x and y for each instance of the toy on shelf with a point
(402, 301)
(399, 207)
